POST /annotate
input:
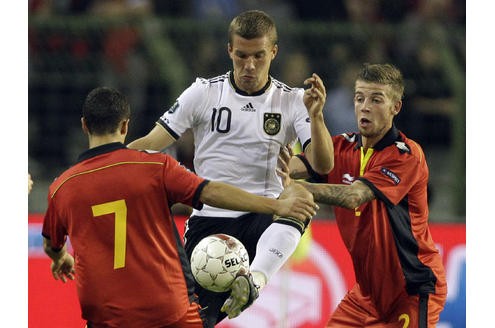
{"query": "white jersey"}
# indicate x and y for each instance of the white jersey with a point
(238, 137)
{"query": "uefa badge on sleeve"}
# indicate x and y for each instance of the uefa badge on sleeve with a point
(174, 107)
(271, 123)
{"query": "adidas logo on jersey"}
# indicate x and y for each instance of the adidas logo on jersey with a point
(248, 108)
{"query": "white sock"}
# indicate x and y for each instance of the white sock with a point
(274, 248)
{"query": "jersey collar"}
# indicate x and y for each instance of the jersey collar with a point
(106, 148)
(244, 93)
(388, 139)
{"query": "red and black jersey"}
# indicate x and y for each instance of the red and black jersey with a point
(388, 238)
(114, 205)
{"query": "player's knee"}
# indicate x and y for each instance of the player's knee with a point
(300, 225)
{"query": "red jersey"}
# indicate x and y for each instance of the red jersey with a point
(114, 205)
(388, 238)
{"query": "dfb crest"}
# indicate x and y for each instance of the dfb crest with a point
(271, 123)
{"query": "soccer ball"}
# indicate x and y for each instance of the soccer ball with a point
(216, 260)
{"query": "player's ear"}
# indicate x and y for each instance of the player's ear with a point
(124, 127)
(274, 51)
(397, 107)
(229, 49)
(84, 126)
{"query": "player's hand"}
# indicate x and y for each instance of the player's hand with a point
(283, 170)
(315, 96)
(63, 268)
(297, 202)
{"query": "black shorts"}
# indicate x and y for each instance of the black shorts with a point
(247, 228)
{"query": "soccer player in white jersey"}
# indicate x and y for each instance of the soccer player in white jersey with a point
(241, 120)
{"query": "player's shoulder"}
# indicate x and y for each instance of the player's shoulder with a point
(150, 151)
(404, 150)
(153, 158)
(346, 139)
(212, 81)
(168, 162)
(203, 88)
(63, 177)
(409, 146)
(150, 155)
(284, 88)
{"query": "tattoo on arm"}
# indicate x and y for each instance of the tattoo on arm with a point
(341, 195)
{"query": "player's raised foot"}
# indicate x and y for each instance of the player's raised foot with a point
(242, 295)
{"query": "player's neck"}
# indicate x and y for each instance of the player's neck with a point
(95, 141)
(368, 142)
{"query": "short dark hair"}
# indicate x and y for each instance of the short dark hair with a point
(383, 74)
(253, 24)
(104, 109)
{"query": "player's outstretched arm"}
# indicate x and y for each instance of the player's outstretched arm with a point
(297, 205)
(296, 190)
(157, 139)
(348, 196)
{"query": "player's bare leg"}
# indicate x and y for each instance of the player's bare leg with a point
(246, 287)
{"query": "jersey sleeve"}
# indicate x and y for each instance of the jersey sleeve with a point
(313, 176)
(181, 115)
(182, 186)
(301, 123)
(393, 177)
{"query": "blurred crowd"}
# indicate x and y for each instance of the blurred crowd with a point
(429, 38)
(371, 11)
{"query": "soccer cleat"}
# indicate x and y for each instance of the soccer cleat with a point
(242, 295)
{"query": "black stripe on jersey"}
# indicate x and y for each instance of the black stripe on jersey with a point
(313, 176)
(196, 203)
(219, 78)
(306, 143)
(186, 266)
(378, 194)
(420, 278)
(282, 86)
(55, 249)
(169, 129)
